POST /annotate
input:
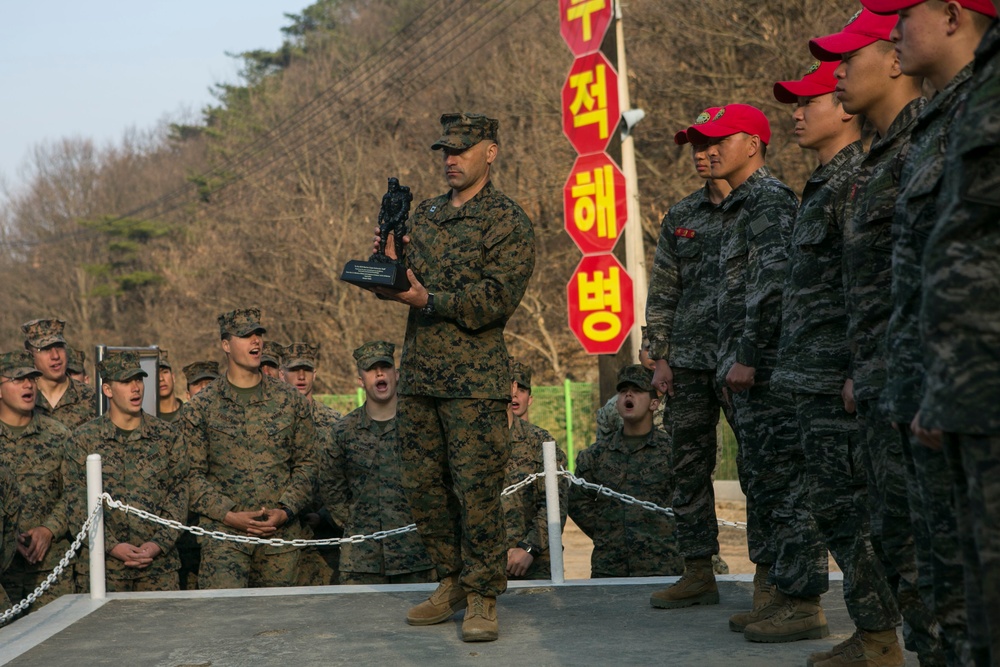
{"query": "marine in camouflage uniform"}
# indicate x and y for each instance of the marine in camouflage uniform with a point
(270, 359)
(470, 256)
(78, 404)
(929, 485)
(959, 324)
(10, 512)
(682, 327)
(629, 541)
(253, 463)
(33, 446)
(868, 276)
(317, 565)
(362, 482)
(75, 368)
(144, 463)
(757, 222)
(169, 406)
(525, 511)
(813, 354)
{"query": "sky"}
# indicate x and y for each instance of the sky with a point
(95, 69)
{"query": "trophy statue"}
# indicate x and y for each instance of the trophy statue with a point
(381, 270)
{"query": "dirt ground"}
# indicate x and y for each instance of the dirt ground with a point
(732, 545)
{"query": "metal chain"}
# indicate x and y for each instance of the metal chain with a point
(56, 571)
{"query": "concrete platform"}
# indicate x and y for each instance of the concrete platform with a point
(584, 622)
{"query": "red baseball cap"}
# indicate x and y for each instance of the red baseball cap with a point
(681, 137)
(731, 119)
(893, 6)
(863, 29)
(819, 80)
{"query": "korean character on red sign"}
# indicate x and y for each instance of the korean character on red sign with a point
(594, 202)
(602, 298)
(580, 10)
(590, 102)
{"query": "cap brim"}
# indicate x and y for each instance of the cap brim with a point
(48, 341)
(21, 373)
(888, 6)
(243, 333)
(629, 383)
(681, 138)
(134, 374)
(164, 364)
(202, 376)
(368, 363)
(832, 47)
(789, 92)
(300, 363)
(452, 143)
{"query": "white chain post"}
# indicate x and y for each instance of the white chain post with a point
(95, 496)
(558, 574)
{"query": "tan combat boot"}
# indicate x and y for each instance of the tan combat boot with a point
(763, 601)
(444, 602)
(820, 656)
(872, 649)
(480, 624)
(697, 586)
(797, 618)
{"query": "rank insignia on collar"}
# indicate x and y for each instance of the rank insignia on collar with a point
(684, 233)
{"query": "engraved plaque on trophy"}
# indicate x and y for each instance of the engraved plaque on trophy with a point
(380, 270)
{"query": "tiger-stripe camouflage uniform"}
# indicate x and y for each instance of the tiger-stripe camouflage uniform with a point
(937, 544)
(525, 513)
(10, 512)
(757, 223)
(146, 468)
(813, 363)
(681, 325)
(36, 456)
(628, 541)
(363, 493)
(868, 279)
(960, 321)
(455, 381)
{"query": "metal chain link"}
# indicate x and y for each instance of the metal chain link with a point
(56, 571)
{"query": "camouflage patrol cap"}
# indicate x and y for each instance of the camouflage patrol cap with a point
(18, 365)
(241, 322)
(637, 375)
(521, 373)
(201, 370)
(465, 130)
(120, 367)
(74, 361)
(164, 361)
(44, 333)
(272, 353)
(300, 355)
(374, 352)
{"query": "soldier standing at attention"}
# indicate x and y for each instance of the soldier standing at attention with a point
(936, 41)
(33, 446)
(814, 356)
(629, 541)
(270, 359)
(317, 565)
(470, 255)
(199, 375)
(253, 463)
(67, 401)
(525, 511)
(959, 325)
(144, 464)
(169, 406)
(871, 83)
(681, 324)
(757, 219)
(362, 481)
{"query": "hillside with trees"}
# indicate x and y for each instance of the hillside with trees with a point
(266, 197)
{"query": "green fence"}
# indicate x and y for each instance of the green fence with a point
(580, 400)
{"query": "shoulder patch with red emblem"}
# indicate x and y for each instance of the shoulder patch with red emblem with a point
(684, 233)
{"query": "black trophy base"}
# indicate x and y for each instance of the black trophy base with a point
(370, 275)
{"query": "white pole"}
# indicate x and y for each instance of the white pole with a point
(95, 487)
(552, 512)
(635, 254)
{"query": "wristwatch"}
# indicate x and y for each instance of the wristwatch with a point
(530, 549)
(429, 308)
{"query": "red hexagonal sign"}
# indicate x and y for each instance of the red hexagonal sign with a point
(601, 304)
(594, 204)
(583, 23)
(590, 109)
